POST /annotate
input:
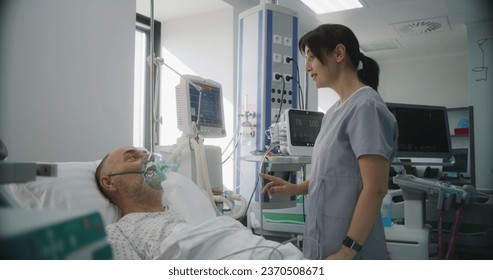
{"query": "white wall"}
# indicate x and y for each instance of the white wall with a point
(439, 80)
(481, 97)
(66, 78)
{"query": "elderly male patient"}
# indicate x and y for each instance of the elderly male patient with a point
(149, 230)
(145, 221)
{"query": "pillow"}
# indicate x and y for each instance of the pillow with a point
(74, 188)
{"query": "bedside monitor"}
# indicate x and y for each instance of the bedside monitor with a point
(423, 131)
(302, 128)
(193, 95)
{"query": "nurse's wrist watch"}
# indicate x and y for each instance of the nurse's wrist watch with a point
(351, 244)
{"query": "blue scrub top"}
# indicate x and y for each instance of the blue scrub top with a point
(360, 125)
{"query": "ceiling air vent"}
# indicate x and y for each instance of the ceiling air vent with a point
(423, 26)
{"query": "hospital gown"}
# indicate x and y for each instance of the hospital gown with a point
(360, 125)
(139, 235)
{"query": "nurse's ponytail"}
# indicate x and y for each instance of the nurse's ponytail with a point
(370, 72)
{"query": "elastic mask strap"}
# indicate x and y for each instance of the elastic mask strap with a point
(125, 173)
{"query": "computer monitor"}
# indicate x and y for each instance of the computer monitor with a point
(302, 128)
(460, 166)
(196, 95)
(423, 131)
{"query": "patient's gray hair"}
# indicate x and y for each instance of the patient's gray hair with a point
(99, 170)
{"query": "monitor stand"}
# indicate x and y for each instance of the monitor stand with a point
(410, 241)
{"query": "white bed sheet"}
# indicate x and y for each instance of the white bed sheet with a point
(223, 238)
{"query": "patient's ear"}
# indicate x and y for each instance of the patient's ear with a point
(107, 183)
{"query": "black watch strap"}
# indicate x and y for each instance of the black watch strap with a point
(351, 244)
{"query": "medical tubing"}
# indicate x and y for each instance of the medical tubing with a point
(440, 231)
(232, 151)
(300, 238)
(300, 96)
(201, 165)
(220, 198)
(261, 199)
(280, 244)
(242, 210)
(198, 163)
(233, 137)
(205, 169)
(235, 214)
(282, 95)
(258, 178)
(155, 105)
(237, 135)
(205, 173)
(459, 215)
(203, 180)
(197, 124)
(254, 248)
(251, 197)
(176, 152)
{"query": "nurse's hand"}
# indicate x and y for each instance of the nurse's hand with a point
(343, 254)
(278, 186)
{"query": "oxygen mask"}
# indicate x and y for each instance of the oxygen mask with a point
(154, 169)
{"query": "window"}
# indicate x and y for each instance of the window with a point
(141, 111)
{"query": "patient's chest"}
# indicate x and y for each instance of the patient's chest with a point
(139, 235)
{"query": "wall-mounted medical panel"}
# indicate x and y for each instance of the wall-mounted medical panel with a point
(268, 36)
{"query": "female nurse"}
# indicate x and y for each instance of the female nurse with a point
(352, 153)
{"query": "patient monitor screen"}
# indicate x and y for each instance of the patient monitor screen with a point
(210, 110)
(200, 100)
(423, 130)
(304, 127)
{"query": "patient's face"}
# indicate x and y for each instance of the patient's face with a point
(125, 159)
(128, 159)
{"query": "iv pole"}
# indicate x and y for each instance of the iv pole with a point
(151, 84)
(153, 60)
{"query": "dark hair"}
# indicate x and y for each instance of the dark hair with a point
(326, 37)
(97, 176)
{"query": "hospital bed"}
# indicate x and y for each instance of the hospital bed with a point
(48, 204)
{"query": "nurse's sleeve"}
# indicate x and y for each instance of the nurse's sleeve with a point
(372, 129)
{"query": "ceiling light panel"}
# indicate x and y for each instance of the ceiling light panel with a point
(380, 46)
(329, 6)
